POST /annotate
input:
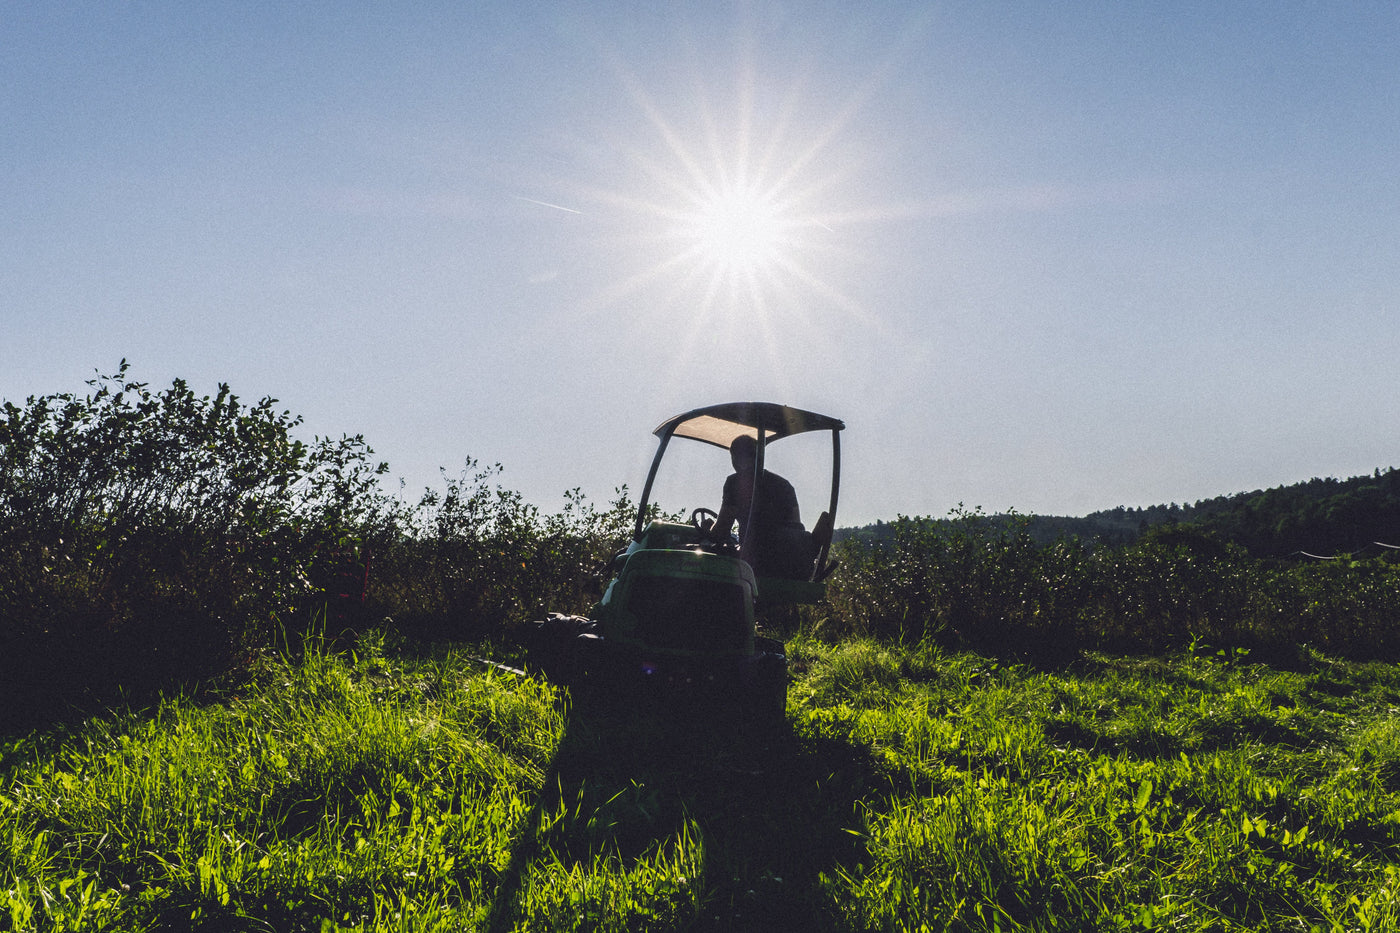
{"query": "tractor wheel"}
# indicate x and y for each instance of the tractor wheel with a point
(553, 646)
(767, 689)
(767, 704)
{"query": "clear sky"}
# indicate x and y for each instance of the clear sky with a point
(1051, 257)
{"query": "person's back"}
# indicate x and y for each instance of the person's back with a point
(778, 544)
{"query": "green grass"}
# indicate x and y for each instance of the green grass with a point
(912, 789)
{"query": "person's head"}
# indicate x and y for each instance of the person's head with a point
(742, 453)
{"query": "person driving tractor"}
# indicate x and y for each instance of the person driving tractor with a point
(781, 546)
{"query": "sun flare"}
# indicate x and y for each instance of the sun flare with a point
(741, 229)
(726, 210)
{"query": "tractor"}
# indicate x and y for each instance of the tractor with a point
(677, 619)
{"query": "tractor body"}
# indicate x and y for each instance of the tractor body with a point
(678, 617)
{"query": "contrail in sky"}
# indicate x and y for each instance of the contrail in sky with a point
(547, 204)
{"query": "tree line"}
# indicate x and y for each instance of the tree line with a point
(1319, 517)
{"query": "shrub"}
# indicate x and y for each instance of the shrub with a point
(147, 533)
(971, 579)
(984, 582)
(476, 557)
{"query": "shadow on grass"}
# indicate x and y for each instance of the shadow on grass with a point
(773, 809)
(83, 668)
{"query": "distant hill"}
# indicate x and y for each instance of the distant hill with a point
(1320, 516)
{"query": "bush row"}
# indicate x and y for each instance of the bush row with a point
(148, 536)
(987, 583)
(152, 535)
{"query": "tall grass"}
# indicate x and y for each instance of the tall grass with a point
(1183, 794)
(326, 790)
(914, 789)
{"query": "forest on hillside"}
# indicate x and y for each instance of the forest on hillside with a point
(1317, 518)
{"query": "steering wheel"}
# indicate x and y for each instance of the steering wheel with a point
(697, 519)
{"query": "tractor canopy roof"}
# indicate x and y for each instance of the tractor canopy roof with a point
(721, 424)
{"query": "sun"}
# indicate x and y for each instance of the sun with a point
(739, 230)
(723, 207)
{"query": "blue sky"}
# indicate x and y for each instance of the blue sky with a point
(1050, 257)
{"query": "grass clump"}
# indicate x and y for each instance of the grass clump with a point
(327, 791)
(1168, 793)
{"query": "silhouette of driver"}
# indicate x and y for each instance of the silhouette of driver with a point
(780, 545)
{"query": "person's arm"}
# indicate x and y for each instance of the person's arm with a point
(719, 531)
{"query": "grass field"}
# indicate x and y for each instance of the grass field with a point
(395, 789)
